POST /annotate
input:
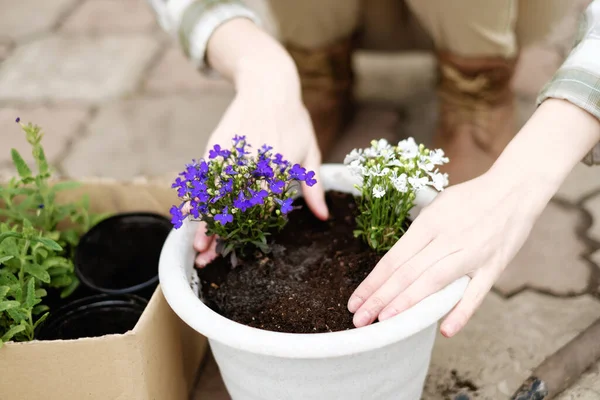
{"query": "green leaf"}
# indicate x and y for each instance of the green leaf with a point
(5, 259)
(52, 262)
(61, 281)
(40, 308)
(7, 235)
(41, 160)
(17, 315)
(41, 293)
(8, 304)
(67, 185)
(40, 320)
(70, 289)
(49, 243)
(30, 299)
(20, 164)
(4, 291)
(38, 271)
(12, 332)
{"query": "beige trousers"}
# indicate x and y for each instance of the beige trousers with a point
(463, 27)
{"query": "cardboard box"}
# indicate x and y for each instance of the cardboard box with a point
(157, 360)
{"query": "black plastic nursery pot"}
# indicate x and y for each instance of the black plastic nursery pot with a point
(93, 316)
(120, 254)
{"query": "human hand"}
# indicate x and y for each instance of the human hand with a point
(473, 229)
(274, 115)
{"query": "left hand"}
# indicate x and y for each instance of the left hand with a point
(474, 228)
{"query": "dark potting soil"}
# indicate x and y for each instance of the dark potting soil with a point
(303, 286)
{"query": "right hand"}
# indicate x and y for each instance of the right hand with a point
(268, 109)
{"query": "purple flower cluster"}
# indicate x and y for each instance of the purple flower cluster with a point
(238, 195)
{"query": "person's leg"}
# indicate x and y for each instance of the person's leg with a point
(476, 49)
(318, 34)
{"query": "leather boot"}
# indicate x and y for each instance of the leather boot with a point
(327, 77)
(477, 113)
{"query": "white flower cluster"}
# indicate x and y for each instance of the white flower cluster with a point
(406, 167)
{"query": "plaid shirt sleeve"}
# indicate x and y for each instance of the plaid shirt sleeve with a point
(192, 22)
(578, 79)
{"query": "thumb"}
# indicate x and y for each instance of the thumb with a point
(315, 195)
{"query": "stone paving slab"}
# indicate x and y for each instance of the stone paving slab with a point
(90, 68)
(582, 181)
(20, 19)
(490, 358)
(551, 250)
(59, 123)
(592, 206)
(147, 136)
(174, 73)
(585, 388)
(110, 16)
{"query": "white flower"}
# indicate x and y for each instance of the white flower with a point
(418, 183)
(380, 144)
(439, 181)
(378, 191)
(395, 163)
(437, 157)
(376, 170)
(357, 169)
(371, 152)
(408, 148)
(425, 163)
(400, 183)
(353, 156)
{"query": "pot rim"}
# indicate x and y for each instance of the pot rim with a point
(79, 261)
(186, 304)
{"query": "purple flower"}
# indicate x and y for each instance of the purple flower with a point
(18, 120)
(264, 149)
(309, 178)
(229, 170)
(278, 160)
(277, 186)
(224, 217)
(194, 209)
(237, 139)
(198, 188)
(297, 173)
(286, 205)
(177, 217)
(227, 187)
(217, 151)
(263, 169)
(241, 202)
(257, 198)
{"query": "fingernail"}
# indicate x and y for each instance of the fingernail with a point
(200, 262)
(354, 303)
(362, 318)
(387, 314)
(449, 329)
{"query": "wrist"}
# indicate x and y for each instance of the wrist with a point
(545, 150)
(250, 58)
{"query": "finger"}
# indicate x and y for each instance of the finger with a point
(201, 240)
(315, 195)
(402, 278)
(202, 259)
(479, 286)
(436, 278)
(409, 245)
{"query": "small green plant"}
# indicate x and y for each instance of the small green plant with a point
(390, 178)
(34, 254)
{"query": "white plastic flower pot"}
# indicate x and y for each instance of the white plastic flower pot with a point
(386, 360)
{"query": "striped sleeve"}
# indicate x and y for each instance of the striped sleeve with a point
(578, 79)
(192, 22)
